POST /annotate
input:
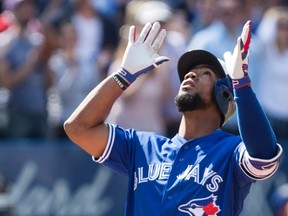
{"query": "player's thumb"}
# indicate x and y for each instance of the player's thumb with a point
(159, 60)
(227, 56)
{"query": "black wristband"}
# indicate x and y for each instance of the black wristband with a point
(123, 84)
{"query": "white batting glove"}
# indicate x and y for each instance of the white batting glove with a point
(141, 55)
(237, 63)
(245, 44)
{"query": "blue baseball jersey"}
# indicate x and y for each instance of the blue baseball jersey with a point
(204, 176)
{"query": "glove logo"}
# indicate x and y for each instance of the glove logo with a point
(201, 206)
(122, 72)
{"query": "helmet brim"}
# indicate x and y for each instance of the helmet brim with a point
(196, 57)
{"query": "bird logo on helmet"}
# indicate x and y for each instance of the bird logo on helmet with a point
(223, 89)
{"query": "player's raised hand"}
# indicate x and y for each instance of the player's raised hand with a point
(141, 54)
(237, 63)
(245, 44)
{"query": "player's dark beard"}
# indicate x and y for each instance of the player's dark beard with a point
(186, 102)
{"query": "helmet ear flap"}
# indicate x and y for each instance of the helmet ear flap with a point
(223, 91)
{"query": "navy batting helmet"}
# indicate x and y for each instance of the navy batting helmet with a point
(223, 89)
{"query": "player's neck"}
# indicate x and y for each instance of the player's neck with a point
(197, 124)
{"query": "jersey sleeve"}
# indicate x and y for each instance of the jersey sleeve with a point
(117, 154)
(254, 127)
(109, 146)
(256, 168)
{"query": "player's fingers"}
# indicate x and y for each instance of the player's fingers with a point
(246, 35)
(132, 34)
(246, 29)
(241, 49)
(144, 32)
(159, 40)
(239, 45)
(237, 54)
(152, 34)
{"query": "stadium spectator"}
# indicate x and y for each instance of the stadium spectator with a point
(273, 30)
(149, 99)
(23, 72)
(72, 81)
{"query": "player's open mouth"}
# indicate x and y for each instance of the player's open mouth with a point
(188, 85)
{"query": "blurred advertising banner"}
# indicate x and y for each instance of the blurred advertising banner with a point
(57, 178)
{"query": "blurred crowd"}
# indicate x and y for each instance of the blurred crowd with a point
(52, 53)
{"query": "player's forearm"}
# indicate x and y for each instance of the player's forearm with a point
(255, 129)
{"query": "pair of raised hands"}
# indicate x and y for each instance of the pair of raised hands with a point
(141, 54)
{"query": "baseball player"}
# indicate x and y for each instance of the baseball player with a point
(202, 170)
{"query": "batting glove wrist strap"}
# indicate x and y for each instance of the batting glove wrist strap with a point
(126, 75)
(121, 81)
(124, 78)
(240, 83)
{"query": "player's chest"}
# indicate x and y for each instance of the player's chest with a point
(181, 167)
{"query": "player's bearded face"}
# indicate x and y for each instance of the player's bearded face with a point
(188, 102)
